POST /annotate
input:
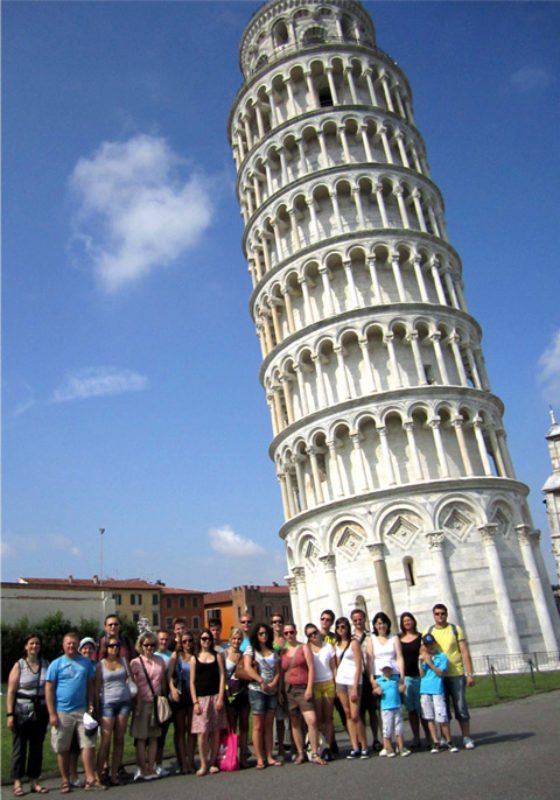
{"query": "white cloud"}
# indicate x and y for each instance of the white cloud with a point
(57, 542)
(97, 382)
(529, 79)
(549, 370)
(228, 543)
(137, 209)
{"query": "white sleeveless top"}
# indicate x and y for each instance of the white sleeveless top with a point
(384, 655)
(346, 668)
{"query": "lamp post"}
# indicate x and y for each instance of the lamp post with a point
(101, 532)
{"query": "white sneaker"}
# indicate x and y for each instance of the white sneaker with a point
(160, 771)
(468, 743)
(138, 775)
(404, 752)
(391, 754)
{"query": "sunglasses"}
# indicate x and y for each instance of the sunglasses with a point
(313, 633)
(289, 633)
(205, 639)
(148, 644)
(342, 625)
(112, 644)
(187, 641)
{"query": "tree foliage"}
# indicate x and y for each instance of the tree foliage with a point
(51, 630)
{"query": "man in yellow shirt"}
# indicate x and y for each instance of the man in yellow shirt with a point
(452, 642)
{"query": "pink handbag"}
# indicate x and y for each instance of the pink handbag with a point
(227, 754)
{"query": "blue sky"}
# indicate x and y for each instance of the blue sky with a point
(131, 398)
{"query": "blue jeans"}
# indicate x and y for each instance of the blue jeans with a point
(261, 703)
(455, 689)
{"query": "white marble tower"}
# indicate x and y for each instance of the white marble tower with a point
(397, 485)
(551, 488)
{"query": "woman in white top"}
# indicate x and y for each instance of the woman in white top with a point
(261, 664)
(324, 689)
(349, 685)
(384, 650)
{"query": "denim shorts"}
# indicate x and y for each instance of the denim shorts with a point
(118, 709)
(411, 695)
(261, 702)
(454, 686)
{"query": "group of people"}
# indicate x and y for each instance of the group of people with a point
(206, 687)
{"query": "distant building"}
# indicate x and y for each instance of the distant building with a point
(91, 598)
(261, 602)
(551, 489)
(181, 603)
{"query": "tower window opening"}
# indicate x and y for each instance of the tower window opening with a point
(314, 35)
(325, 97)
(408, 564)
(429, 373)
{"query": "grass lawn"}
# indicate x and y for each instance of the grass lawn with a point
(510, 687)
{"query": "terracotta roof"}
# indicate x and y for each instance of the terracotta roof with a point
(107, 583)
(172, 590)
(217, 598)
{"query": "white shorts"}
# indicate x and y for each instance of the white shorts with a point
(433, 707)
(393, 724)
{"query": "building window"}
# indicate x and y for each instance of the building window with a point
(195, 602)
(155, 599)
(268, 611)
(155, 618)
(195, 623)
(181, 602)
(214, 613)
(135, 599)
(118, 599)
(168, 603)
(285, 612)
(135, 616)
(168, 623)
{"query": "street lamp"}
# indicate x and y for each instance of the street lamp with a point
(101, 532)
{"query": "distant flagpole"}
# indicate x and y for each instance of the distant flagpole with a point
(101, 532)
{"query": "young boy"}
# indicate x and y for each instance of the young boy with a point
(389, 688)
(433, 664)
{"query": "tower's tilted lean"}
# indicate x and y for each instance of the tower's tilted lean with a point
(397, 485)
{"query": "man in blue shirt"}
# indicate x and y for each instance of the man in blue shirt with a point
(69, 694)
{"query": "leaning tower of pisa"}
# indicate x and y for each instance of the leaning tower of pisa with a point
(397, 486)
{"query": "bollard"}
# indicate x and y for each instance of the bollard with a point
(494, 681)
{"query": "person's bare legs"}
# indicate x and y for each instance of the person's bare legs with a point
(118, 746)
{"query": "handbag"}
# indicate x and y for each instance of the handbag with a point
(132, 686)
(227, 752)
(162, 709)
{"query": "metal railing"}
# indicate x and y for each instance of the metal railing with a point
(511, 663)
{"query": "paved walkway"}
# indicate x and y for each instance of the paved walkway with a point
(517, 756)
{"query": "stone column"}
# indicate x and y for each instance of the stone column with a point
(292, 586)
(377, 552)
(442, 584)
(328, 563)
(527, 541)
(304, 613)
(488, 533)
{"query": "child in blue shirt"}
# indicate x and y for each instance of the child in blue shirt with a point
(432, 667)
(389, 688)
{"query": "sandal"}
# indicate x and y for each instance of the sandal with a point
(275, 764)
(18, 791)
(213, 770)
(94, 786)
(200, 772)
(316, 759)
(65, 788)
(262, 765)
(37, 789)
(299, 760)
